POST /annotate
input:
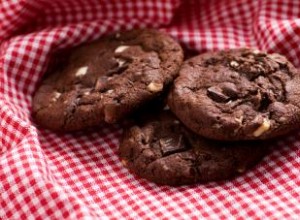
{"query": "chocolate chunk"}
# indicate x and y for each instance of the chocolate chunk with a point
(216, 94)
(229, 89)
(172, 144)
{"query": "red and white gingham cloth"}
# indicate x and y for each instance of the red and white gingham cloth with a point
(45, 175)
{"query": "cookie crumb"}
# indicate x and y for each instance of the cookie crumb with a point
(121, 49)
(155, 87)
(265, 126)
(81, 71)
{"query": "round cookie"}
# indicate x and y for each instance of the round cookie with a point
(239, 94)
(162, 150)
(107, 79)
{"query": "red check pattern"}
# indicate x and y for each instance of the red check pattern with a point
(45, 175)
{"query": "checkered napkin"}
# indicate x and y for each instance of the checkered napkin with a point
(45, 175)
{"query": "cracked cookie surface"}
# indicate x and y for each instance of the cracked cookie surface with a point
(240, 94)
(107, 79)
(162, 150)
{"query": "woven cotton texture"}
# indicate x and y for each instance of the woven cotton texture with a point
(46, 175)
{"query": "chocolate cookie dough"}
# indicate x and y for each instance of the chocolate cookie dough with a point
(240, 94)
(162, 150)
(107, 79)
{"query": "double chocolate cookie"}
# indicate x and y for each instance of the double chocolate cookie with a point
(162, 150)
(107, 79)
(240, 94)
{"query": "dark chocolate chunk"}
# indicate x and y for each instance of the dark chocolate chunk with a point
(172, 144)
(216, 94)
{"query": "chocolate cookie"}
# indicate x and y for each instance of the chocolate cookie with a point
(162, 150)
(107, 79)
(238, 94)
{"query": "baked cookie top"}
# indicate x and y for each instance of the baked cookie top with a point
(107, 79)
(161, 149)
(240, 94)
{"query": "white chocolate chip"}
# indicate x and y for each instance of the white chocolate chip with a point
(121, 49)
(241, 169)
(109, 91)
(265, 126)
(256, 51)
(120, 62)
(155, 87)
(234, 63)
(239, 119)
(165, 167)
(56, 96)
(81, 71)
(87, 93)
(124, 162)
